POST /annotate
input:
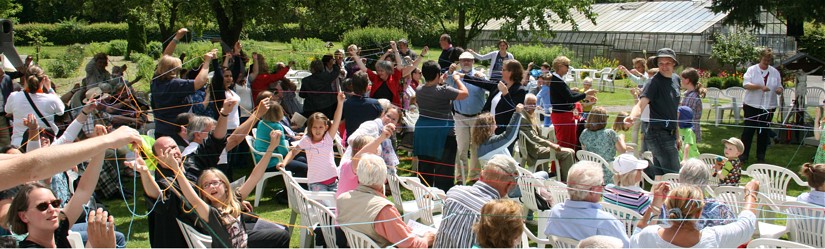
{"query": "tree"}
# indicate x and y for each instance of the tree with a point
(517, 16)
(736, 49)
(748, 13)
(9, 8)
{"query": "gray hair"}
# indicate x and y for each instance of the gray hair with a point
(385, 66)
(600, 241)
(586, 174)
(197, 124)
(694, 172)
(505, 164)
(372, 171)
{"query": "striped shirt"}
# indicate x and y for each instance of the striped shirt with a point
(462, 209)
(320, 161)
(632, 197)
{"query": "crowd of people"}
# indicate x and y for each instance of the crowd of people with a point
(463, 122)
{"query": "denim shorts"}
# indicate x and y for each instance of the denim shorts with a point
(316, 186)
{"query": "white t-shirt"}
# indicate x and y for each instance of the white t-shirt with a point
(17, 105)
(246, 105)
(493, 105)
(234, 120)
(725, 236)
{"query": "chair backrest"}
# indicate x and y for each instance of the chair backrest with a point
(713, 94)
(520, 152)
(775, 243)
(562, 242)
(774, 180)
(339, 145)
(194, 238)
(528, 186)
(324, 218)
(584, 155)
(806, 223)
(395, 189)
(425, 200)
(673, 178)
(813, 96)
(558, 191)
(358, 240)
(731, 196)
(710, 160)
(788, 96)
(297, 199)
(627, 216)
(150, 133)
(75, 240)
(736, 92)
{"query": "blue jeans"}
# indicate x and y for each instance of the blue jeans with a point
(82, 228)
(317, 186)
(662, 143)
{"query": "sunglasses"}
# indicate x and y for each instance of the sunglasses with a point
(45, 205)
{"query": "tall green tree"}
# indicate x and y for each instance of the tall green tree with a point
(736, 48)
(9, 8)
(747, 12)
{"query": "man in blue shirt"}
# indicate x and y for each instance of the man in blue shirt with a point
(581, 216)
(358, 108)
(464, 114)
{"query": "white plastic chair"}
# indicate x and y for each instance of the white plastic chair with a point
(409, 209)
(734, 197)
(151, 133)
(428, 200)
(673, 178)
(774, 181)
(522, 156)
(775, 243)
(194, 238)
(713, 94)
(608, 78)
(529, 186)
(788, 96)
(259, 187)
(558, 190)
(806, 223)
(527, 236)
(75, 240)
(324, 218)
(584, 155)
(737, 95)
(562, 242)
(627, 216)
(359, 240)
(710, 161)
(813, 96)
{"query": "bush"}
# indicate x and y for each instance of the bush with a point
(96, 47)
(67, 63)
(145, 65)
(117, 47)
(599, 63)
(70, 32)
(732, 82)
(309, 44)
(154, 49)
(195, 51)
(284, 33)
(714, 82)
(371, 38)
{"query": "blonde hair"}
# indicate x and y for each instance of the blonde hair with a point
(684, 203)
(627, 179)
(231, 204)
(640, 61)
(316, 117)
(359, 142)
(500, 224)
(618, 123)
(275, 112)
(168, 67)
(765, 52)
(559, 61)
(597, 119)
(587, 81)
(485, 124)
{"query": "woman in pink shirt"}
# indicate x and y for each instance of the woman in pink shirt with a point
(366, 144)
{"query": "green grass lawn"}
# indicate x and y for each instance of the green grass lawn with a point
(790, 156)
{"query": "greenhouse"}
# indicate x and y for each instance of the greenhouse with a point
(624, 30)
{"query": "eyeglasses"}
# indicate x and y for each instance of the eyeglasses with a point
(45, 205)
(213, 184)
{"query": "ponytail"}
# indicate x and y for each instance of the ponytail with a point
(701, 90)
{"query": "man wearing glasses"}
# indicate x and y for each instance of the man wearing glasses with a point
(582, 216)
(662, 94)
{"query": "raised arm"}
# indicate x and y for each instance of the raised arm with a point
(220, 128)
(203, 75)
(255, 67)
(372, 147)
(336, 120)
(46, 162)
(358, 61)
(399, 62)
(239, 135)
(408, 69)
(174, 43)
(85, 188)
(166, 160)
(260, 168)
(151, 187)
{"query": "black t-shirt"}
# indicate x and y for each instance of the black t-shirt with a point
(448, 56)
(164, 231)
(169, 100)
(663, 94)
(383, 92)
(61, 235)
(206, 156)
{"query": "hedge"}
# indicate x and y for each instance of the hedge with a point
(62, 34)
(371, 38)
(537, 54)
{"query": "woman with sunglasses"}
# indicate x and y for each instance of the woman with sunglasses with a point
(36, 211)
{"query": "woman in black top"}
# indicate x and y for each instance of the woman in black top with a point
(564, 100)
(36, 211)
(504, 94)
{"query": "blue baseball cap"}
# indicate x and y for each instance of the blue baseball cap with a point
(685, 117)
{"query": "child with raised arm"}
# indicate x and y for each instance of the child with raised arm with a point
(318, 144)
